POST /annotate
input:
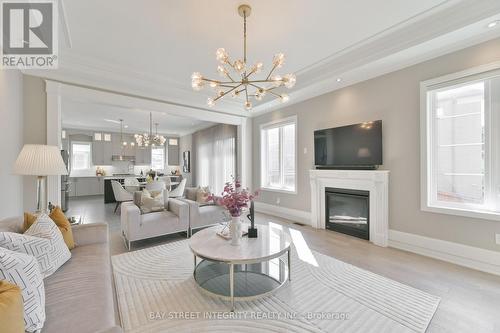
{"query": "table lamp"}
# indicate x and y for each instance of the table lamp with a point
(40, 161)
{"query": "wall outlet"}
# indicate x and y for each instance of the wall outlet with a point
(278, 200)
(497, 238)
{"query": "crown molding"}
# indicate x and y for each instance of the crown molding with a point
(362, 60)
(353, 72)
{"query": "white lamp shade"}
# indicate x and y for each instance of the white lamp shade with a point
(40, 160)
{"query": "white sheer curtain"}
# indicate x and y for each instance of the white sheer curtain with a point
(215, 156)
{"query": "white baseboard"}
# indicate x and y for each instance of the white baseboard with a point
(463, 255)
(287, 213)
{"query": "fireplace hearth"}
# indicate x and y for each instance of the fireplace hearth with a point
(348, 211)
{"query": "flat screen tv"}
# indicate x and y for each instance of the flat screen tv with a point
(356, 146)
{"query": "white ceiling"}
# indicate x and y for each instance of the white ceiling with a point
(150, 48)
(99, 116)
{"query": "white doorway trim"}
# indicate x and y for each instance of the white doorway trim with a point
(57, 91)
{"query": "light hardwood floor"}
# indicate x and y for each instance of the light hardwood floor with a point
(470, 300)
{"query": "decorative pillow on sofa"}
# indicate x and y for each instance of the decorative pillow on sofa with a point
(43, 240)
(11, 307)
(59, 219)
(23, 270)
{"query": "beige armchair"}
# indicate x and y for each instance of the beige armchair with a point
(136, 226)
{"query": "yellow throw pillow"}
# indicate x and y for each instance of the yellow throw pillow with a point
(29, 219)
(62, 222)
(11, 308)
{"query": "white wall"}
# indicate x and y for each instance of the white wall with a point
(34, 129)
(393, 98)
(11, 141)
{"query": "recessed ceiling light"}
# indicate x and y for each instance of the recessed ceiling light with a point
(125, 126)
(493, 24)
(339, 79)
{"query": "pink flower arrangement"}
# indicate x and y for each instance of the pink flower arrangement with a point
(234, 197)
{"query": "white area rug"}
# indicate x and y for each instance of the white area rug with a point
(156, 285)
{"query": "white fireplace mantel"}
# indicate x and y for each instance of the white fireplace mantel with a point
(376, 182)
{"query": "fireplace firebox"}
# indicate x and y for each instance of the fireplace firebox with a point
(348, 211)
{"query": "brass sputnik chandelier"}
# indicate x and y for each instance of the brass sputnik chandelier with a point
(238, 77)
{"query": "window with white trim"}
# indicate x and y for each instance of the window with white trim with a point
(278, 155)
(158, 158)
(81, 155)
(463, 145)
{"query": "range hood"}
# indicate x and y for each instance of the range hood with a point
(123, 158)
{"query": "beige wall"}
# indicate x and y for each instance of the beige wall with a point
(34, 128)
(11, 138)
(394, 98)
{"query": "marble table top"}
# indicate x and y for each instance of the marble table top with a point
(271, 242)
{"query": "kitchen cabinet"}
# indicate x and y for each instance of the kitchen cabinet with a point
(107, 153)
(143, 156)
(82, 186)
(102, 152)
(173, 152)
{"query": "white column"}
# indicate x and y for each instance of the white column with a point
(53, 90)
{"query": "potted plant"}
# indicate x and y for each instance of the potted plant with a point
(235, 198)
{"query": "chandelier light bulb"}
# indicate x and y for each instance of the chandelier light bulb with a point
(214, 84)
(235, 94)
(258, 96)
(277, 80)
(221, 55)
(222, 70)
(210, 102)
(289, 80)
(132, 144)
(279, 60)
(239, 65)
(284, 98)
(248, 105)
(197, 81)
(257, 68)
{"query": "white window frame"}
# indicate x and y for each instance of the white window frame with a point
(492, 158)
(91, 163)
(263, 158)
(164, 157)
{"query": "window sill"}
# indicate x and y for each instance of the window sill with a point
(279, 190)
(478, 214)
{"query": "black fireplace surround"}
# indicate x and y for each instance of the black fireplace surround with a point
(348, 211)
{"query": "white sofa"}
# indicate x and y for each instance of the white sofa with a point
(202, 215)
(136, 226)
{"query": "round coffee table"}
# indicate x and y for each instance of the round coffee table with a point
(253, 269)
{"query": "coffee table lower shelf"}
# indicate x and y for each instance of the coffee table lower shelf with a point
(241, 282)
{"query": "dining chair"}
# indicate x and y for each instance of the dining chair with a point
(155, 186)
(121, 194)
(166, 180)
(179, 190)
(132, 184)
